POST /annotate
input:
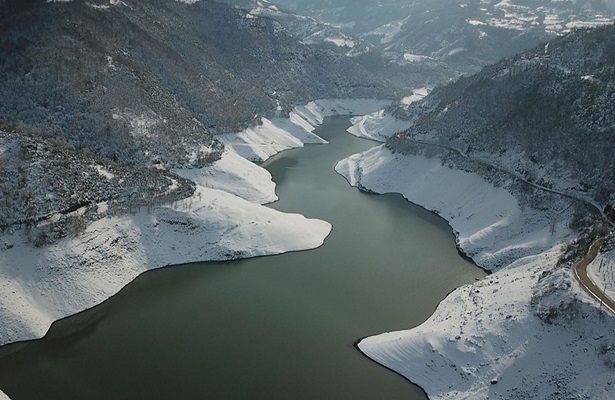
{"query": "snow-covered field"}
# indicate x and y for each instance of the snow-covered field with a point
(528, 331)
(224, 219)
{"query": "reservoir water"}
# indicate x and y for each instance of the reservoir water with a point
(280, 327)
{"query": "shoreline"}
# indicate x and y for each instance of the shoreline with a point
(355, 345)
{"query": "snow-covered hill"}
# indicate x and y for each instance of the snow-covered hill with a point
(152, 81)
(463, 34)
(528, 331)
(307, 29)
(136, 87)
(469, 34)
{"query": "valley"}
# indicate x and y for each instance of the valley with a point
(133, 136)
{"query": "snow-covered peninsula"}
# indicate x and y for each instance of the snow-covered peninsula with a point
(223, 219)
(528, 330)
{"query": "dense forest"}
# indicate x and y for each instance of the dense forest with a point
(145, 85)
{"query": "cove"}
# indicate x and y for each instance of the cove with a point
(279, 327)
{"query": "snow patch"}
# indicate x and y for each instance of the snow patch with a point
(416, 58)
(341, 42)
(475, 22)
(417, 94)
(106, 7)
(104, 172)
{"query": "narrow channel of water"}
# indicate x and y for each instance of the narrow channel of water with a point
(280, 327)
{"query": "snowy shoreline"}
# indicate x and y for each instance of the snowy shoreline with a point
(520, 334)
(224, 219)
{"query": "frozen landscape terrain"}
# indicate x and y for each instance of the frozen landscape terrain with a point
(602, 271)
(528, 330)
(223, 219)
(130, 166)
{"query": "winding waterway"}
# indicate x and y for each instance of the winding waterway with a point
(280, 327)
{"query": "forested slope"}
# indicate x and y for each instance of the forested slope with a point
(139, 83)
(548, 114)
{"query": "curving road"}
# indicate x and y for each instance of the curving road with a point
(580, 272)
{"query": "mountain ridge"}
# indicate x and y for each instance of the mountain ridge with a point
(533, 113)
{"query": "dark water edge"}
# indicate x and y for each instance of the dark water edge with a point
(270, 327)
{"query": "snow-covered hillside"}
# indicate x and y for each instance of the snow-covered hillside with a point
(272, 136)
(463, 34)
(545, 114)
(384, 123)
(41, 285)
(602, 269)
(490, 223)
(307, 29)
(466, 34)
